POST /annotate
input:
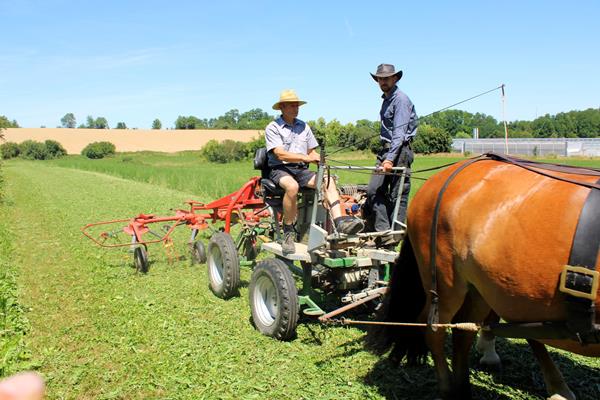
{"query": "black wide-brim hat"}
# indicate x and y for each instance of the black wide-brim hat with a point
(386, 70)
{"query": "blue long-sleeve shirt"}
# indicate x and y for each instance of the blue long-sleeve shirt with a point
(398, 121)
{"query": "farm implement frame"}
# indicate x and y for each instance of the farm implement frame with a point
(242, 205)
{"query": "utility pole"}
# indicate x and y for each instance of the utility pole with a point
(505, 127)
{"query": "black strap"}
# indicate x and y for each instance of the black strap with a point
(584, 253)
(433, 317)
(540, 168)
(586, 242)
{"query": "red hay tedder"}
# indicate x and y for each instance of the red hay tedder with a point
(244, 205)
(337, 272)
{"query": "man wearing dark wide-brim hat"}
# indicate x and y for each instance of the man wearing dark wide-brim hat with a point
(398, 128)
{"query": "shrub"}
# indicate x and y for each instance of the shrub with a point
(98, 150)
(32, 150)
(54, 149)
(9, 150)
(211, 151)
(463, 135)
(430, 139)
(234, 150)
(226, 151)
(254, 145)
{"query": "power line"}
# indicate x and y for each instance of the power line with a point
(364, 140)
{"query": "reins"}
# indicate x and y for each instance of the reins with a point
(370, 137)
(465, 326)
(539, 168)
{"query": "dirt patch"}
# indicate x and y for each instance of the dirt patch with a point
(170, 141)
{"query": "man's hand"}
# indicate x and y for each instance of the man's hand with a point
(387, 166)
(313, 157)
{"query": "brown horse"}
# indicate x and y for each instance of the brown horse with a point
(504, 234)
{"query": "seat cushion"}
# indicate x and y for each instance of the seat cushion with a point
(270, 188)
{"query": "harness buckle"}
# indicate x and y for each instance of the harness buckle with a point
(571, 282)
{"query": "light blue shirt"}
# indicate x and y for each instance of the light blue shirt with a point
(298, 138)
(398, 121)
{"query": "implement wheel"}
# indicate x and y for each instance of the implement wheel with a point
(198, 253)
(223, 266)
(140, 259)
(274, 299)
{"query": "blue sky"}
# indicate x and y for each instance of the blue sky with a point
(135, 61)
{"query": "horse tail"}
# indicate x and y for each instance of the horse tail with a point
(403, 303)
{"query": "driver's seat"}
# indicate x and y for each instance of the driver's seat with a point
(271, 191)
(273, 195)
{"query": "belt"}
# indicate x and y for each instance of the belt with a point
(294, 165)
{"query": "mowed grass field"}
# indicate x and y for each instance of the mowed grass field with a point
(97, 330)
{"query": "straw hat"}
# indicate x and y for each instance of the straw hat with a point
(385, 70)
(287, 96)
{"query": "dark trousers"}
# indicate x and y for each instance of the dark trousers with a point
(384, 189)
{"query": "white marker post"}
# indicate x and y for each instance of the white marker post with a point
(505, 127)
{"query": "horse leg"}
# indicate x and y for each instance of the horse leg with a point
(486, 344)
(555, 383)
(473, 309)
(449, 305)
(435, 342)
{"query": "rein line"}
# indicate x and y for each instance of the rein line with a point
(368, 138)
(465, 326)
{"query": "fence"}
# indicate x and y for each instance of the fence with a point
(531, 147)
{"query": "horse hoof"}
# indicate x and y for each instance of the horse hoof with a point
(556, 397)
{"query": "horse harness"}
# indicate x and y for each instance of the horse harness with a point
(579, 280)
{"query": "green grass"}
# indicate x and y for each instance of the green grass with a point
(188, 172)
(13, 322)
(98, 330)
(182, 171)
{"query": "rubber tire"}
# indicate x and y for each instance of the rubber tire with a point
(274, 299)
(198, 252)
(223, 266)
(140, 259)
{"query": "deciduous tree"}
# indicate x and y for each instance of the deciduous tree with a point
(68, 121)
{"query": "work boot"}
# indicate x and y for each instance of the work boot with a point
(388, 242)
(289, 238)
(349, 225)
(370, 244)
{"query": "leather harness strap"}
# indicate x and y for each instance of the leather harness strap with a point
(584, 253)
(433, 317)
(541, 168)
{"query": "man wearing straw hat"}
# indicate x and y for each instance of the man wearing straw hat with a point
(291, 147)
(398, 128)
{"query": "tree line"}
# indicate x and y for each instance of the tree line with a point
(572, 124)
(455, 123)
(435, 131)
(69, 121)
